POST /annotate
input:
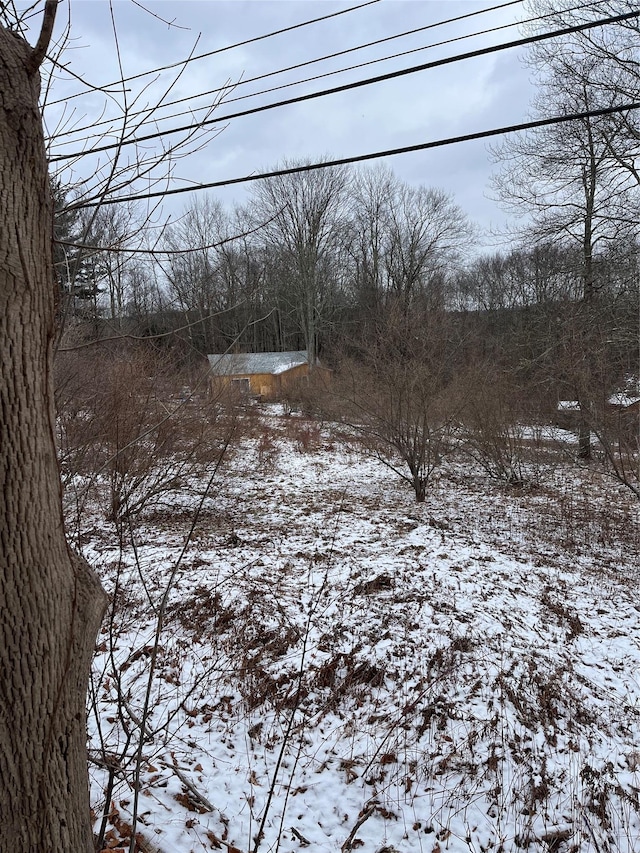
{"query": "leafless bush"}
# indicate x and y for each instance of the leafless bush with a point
(401, 395)
(268, 451)
(618, 433)
(402, 413)
(498, 431)
(310, 395)
(304, 432)
(137, 428)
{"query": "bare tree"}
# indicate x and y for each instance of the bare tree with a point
(215, 274)
(614, 52)
(303, 212)
(50, 601)
(405, 242)
(366, 238)
(428, 234)
(193, 269)
(114, 228)
(563, 181)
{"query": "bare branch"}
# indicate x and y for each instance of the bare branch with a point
(39, 51)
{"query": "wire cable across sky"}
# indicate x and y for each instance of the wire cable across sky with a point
(324, 58)
(358, 84)
(361, 158)
(228, 47)
(207, 107)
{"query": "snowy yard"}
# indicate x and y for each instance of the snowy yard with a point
(330, 666)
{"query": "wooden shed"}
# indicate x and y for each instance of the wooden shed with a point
(266, 375)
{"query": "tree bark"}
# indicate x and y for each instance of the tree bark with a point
(51, 603)
(590, 182)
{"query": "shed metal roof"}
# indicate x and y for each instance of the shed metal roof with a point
(234, 364)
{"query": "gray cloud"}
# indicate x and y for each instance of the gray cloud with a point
(461, 98)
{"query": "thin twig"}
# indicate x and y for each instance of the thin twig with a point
(197, 795)
(364, 816)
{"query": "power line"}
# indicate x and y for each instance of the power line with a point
(358, 84)
(245, 82)
(123, 80)
(342, 70)
(360, 158)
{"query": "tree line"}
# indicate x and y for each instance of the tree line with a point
(331, 261)
(321, 258)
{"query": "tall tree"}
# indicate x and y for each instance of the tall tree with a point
(565, 183)
(50, 601)
(303, 212)
(404, 242)
(367, 240)
(193, 271)
(213, 272)
(615, 53)
(428, 234)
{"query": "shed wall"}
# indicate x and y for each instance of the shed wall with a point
(266, 385)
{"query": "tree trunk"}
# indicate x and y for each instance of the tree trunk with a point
(50, 601)
(584, 438)
(590, 183)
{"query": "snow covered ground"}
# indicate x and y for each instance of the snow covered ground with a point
(329, 665)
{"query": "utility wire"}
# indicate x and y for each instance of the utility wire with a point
(257, 78)
(360, 158)
(344, 69)
(252, 40)
(360, 83)
(228, 101)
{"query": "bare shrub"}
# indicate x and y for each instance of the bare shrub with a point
(617, 429)
(309, 394)
(400, 396)
(304, 433)
(134, 426)
(402, 414)
(268, 451)
(497, 430)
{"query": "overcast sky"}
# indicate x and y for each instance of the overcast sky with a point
(464, 97)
